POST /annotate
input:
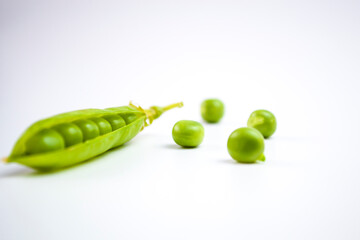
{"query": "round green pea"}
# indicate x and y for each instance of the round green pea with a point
(71, 133)
(103, 125)
(115, 121)
(264, 121)
(89, 129)
(188, 133)
(44, 141)
(212, 110)
(129, 117)
(246, 145)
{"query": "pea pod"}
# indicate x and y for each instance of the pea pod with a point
(73, 137)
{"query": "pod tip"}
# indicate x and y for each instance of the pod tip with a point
(5, 159)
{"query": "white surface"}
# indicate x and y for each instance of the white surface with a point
(299, 60)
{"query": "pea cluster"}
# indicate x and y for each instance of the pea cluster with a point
(245, 145)
(68, 134)
(70, 138)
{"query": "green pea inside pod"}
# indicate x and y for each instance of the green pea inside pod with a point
(212, 110)
(103, 125)
(71, 133)
(246, 145)
(115, 121)
(188, 133)
(44, 141)
(89, 129)
(129, 117)
(264, 121)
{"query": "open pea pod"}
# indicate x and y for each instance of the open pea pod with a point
(73, 137)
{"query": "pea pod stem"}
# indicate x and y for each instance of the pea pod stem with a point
(155, 111)
(171, 106)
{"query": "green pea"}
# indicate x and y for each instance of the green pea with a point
(129, 117)
(44, 141)
(115, 121)
(188, 133)
(103, 125)
(89, 129)
(264, 121)
(212, 110)
(246, 145)
(71, 133)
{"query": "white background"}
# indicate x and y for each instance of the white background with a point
(298, 59)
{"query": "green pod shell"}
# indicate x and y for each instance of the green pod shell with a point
(71, 155)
